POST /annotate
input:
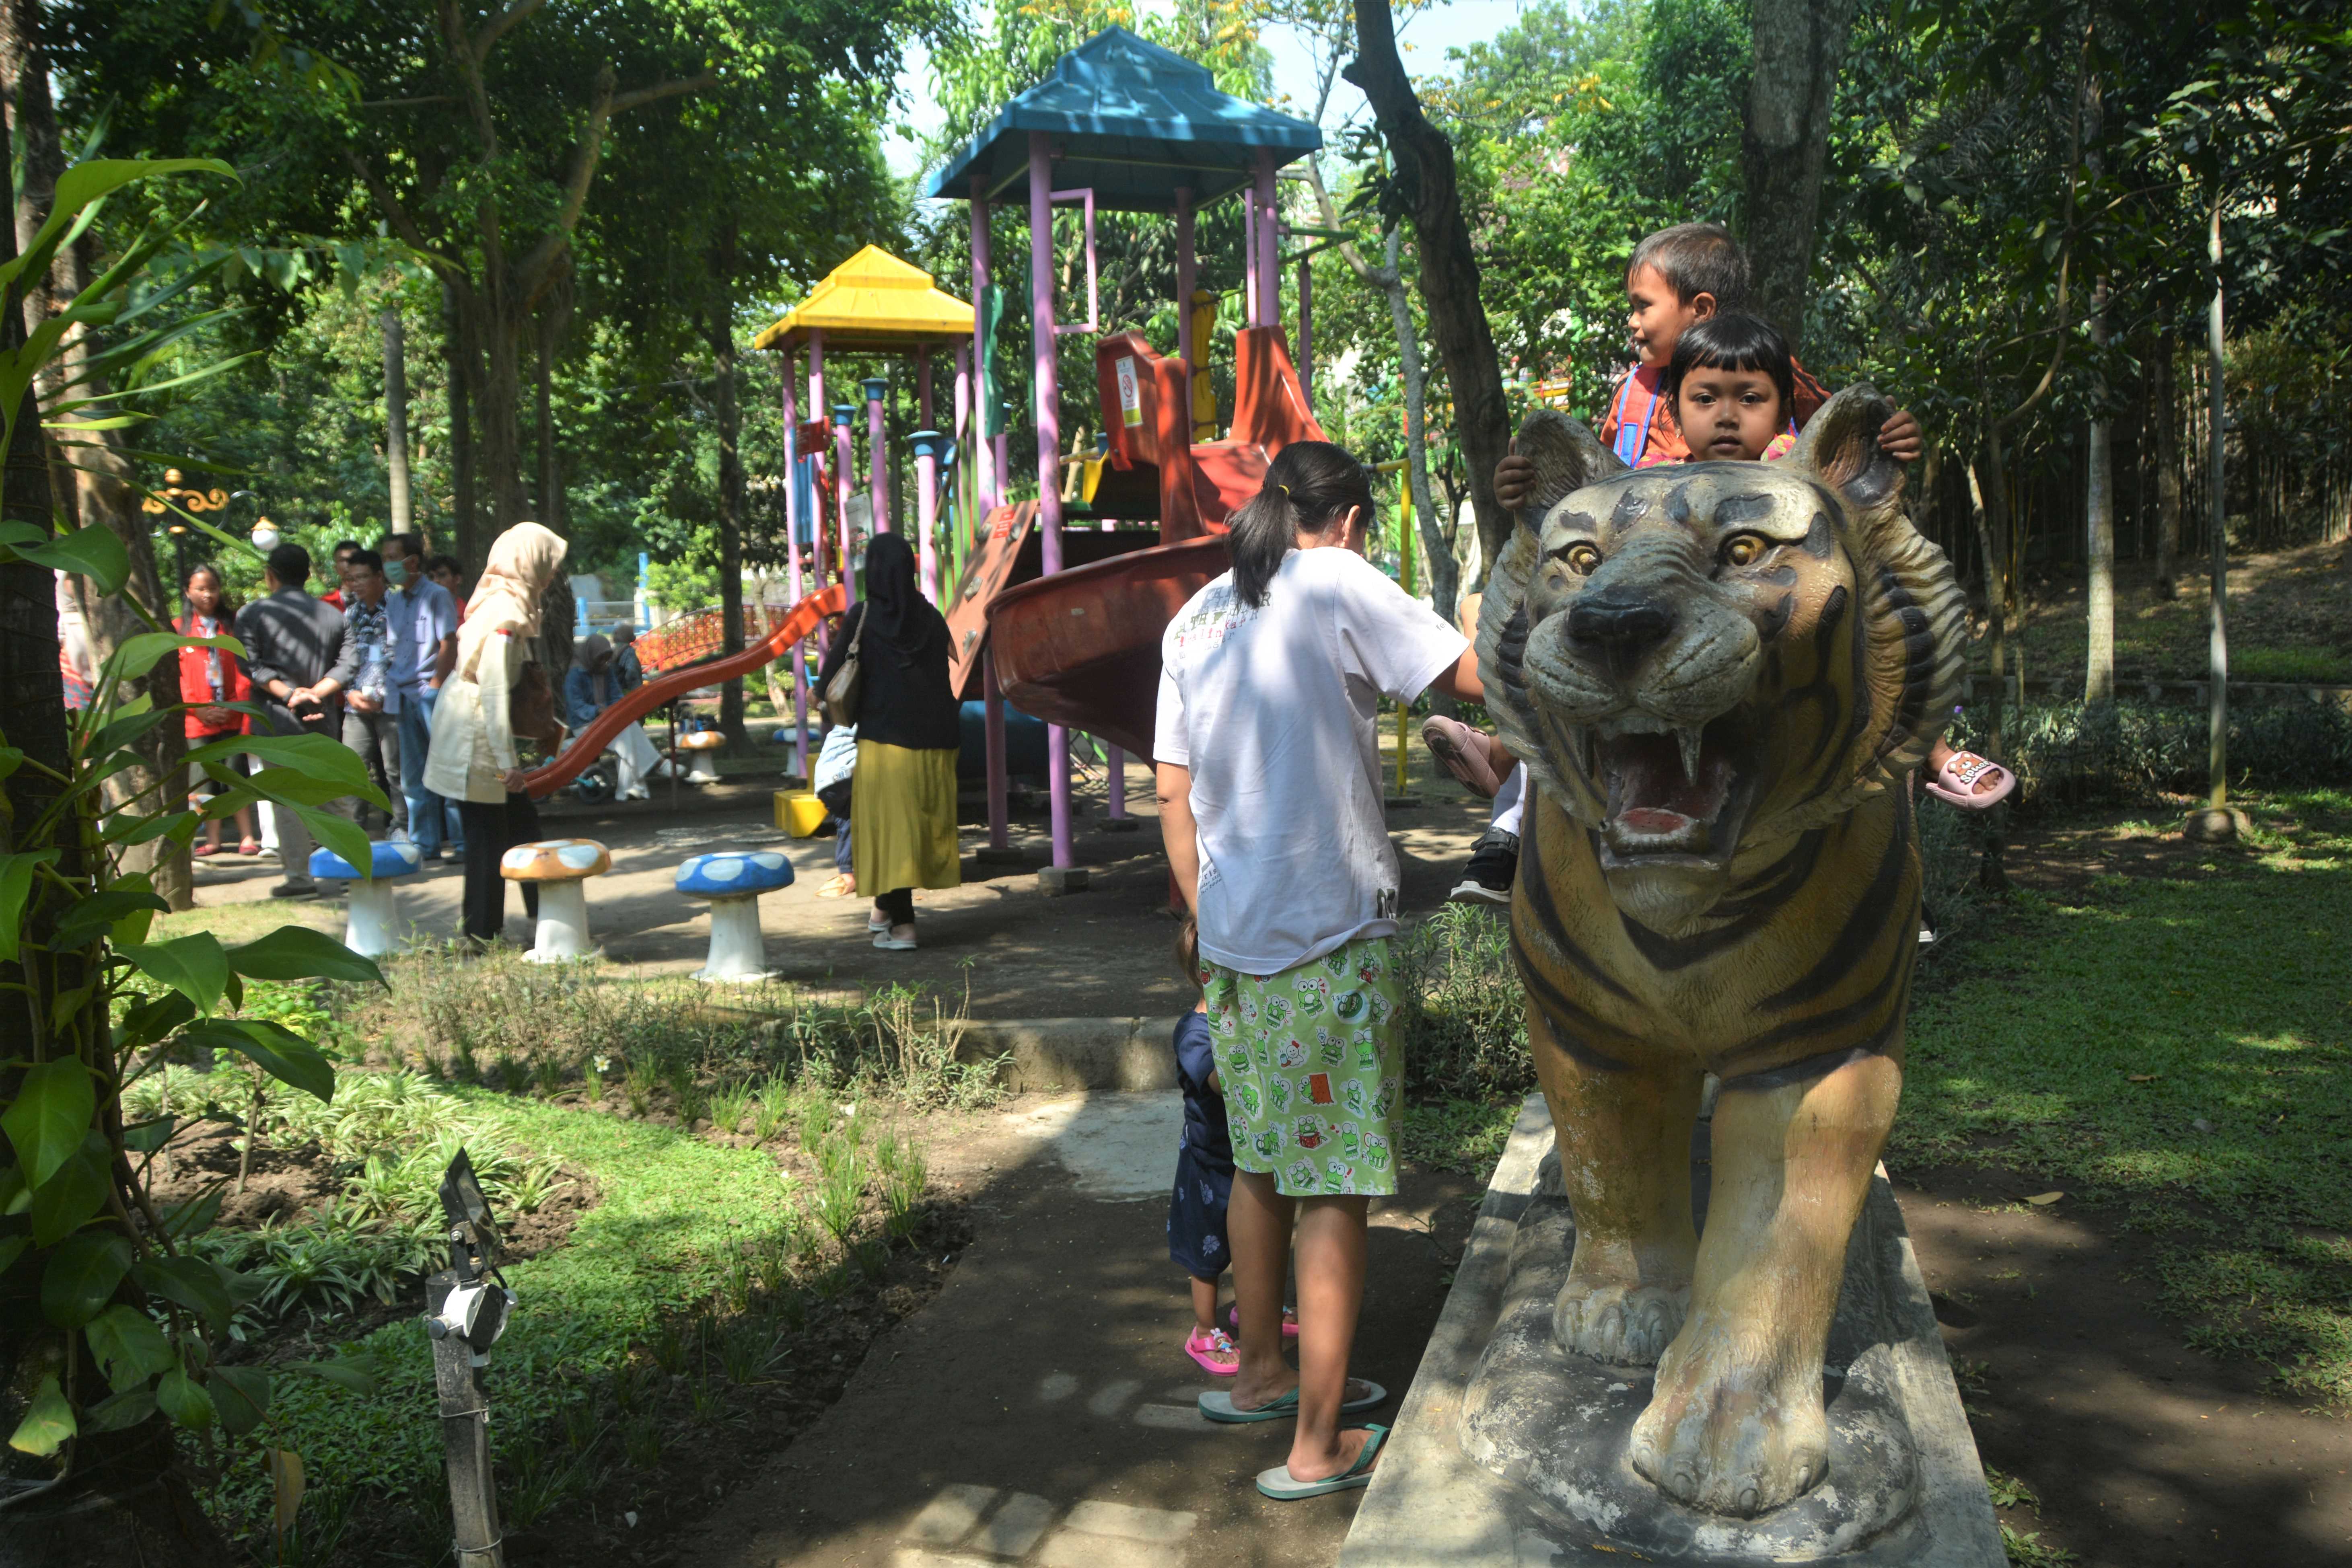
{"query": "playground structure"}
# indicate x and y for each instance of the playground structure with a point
(1065, 624)
(1122, 125)
(872, 303)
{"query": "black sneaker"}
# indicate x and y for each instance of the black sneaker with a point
(1494, 865)
(295, 887)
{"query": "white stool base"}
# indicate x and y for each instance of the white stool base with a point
(702, 771)
(562, 935)
(738, 954)
(372, 916)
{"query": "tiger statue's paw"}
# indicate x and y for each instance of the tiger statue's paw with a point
(1731, 1437)
(1624, 1325)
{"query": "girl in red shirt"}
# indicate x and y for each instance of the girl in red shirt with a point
(209, 678)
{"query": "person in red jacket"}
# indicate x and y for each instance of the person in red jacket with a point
(209, 677)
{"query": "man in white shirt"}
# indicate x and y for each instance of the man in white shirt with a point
(425, 625)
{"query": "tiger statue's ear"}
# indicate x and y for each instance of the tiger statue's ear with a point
(1567, 457)
(1912, 607)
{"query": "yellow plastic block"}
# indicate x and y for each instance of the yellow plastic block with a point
(799, 814)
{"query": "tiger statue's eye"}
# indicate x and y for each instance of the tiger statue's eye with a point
(1745, 550)
(1583, 559)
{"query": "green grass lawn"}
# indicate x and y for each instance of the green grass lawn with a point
(2178, 1055)
(676, 1212)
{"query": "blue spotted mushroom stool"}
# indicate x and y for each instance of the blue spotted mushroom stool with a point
(372, 916)
(733, 880)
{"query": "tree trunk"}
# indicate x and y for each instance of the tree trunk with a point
(395, 418)
(719, 326)
(1798, 44)
(2167, 468)
(2217, 673)
(456, 350)
(558, 612)
(2099, 510)
(1444, 575)
(1425, 181)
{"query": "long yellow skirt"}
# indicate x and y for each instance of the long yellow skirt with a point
(902, 819)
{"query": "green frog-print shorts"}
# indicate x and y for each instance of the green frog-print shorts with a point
(1312, 1062)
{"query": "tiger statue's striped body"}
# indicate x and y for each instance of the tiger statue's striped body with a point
(1719, 675)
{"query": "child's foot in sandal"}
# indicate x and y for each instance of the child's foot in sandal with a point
(1970, 781)
(1214, 1351)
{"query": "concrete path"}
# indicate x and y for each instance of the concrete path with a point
(1039, 1411)
(1105, 952)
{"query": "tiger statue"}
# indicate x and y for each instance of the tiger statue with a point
(1719, 675)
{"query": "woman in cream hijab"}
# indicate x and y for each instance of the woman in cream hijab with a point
(473, 760)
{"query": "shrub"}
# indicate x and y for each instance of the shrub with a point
(1465, 1012)
(2131, 751)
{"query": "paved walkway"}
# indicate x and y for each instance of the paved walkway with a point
(1039, 1411)
(1106, 952)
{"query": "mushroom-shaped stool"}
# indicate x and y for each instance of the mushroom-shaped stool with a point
(558, 866)
(704, 743)
(734, 880)
(372, 927)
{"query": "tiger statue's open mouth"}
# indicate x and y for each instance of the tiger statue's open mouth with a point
(1670, 791)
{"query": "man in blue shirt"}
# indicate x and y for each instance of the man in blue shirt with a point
(425, 626)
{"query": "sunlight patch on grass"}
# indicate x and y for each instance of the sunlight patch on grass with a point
(2183, 1048)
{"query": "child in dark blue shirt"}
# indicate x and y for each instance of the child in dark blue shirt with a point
(1204, 1175)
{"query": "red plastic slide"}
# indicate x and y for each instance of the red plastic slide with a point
(1147, 410)
(799, 626)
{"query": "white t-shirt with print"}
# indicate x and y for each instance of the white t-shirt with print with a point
(1274, 710)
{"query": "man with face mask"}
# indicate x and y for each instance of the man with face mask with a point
(425, 627)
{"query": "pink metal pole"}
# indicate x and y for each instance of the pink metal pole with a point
(1049, 445)
(1249, 258)
(843, 454)
(927, 515)
(1269, 266)
(992, 727)
(1186, 279)
(926, 500)
(793, 567)
(877, 444)
(987, 470)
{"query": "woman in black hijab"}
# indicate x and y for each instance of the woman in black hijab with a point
(902, 814)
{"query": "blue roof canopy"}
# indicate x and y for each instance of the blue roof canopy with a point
(1133, 120)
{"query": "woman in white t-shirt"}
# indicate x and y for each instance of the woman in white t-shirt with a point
(1269, 780)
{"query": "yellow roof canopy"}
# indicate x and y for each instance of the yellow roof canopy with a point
(873, 300)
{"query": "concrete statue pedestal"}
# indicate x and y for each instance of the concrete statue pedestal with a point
(1508, 1450)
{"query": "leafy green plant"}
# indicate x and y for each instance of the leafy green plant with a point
(905, 1176)
(728, 1106)
(773, 1107)
(813, 1119)
(1465, 1012)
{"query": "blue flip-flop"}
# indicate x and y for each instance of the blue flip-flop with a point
(1217, 1404)
(1277, 1484)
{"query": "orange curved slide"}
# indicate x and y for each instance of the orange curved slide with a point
(801, 624)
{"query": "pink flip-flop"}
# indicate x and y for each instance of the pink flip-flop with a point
(1206, 1348)
(1289, 1321)
(1956, 781)
(1461, 752)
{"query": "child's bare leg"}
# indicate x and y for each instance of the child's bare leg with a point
(1204, 1305)
(1257, 1226)
(1330, 1294)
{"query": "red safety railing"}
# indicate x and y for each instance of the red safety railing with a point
(799, 625)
